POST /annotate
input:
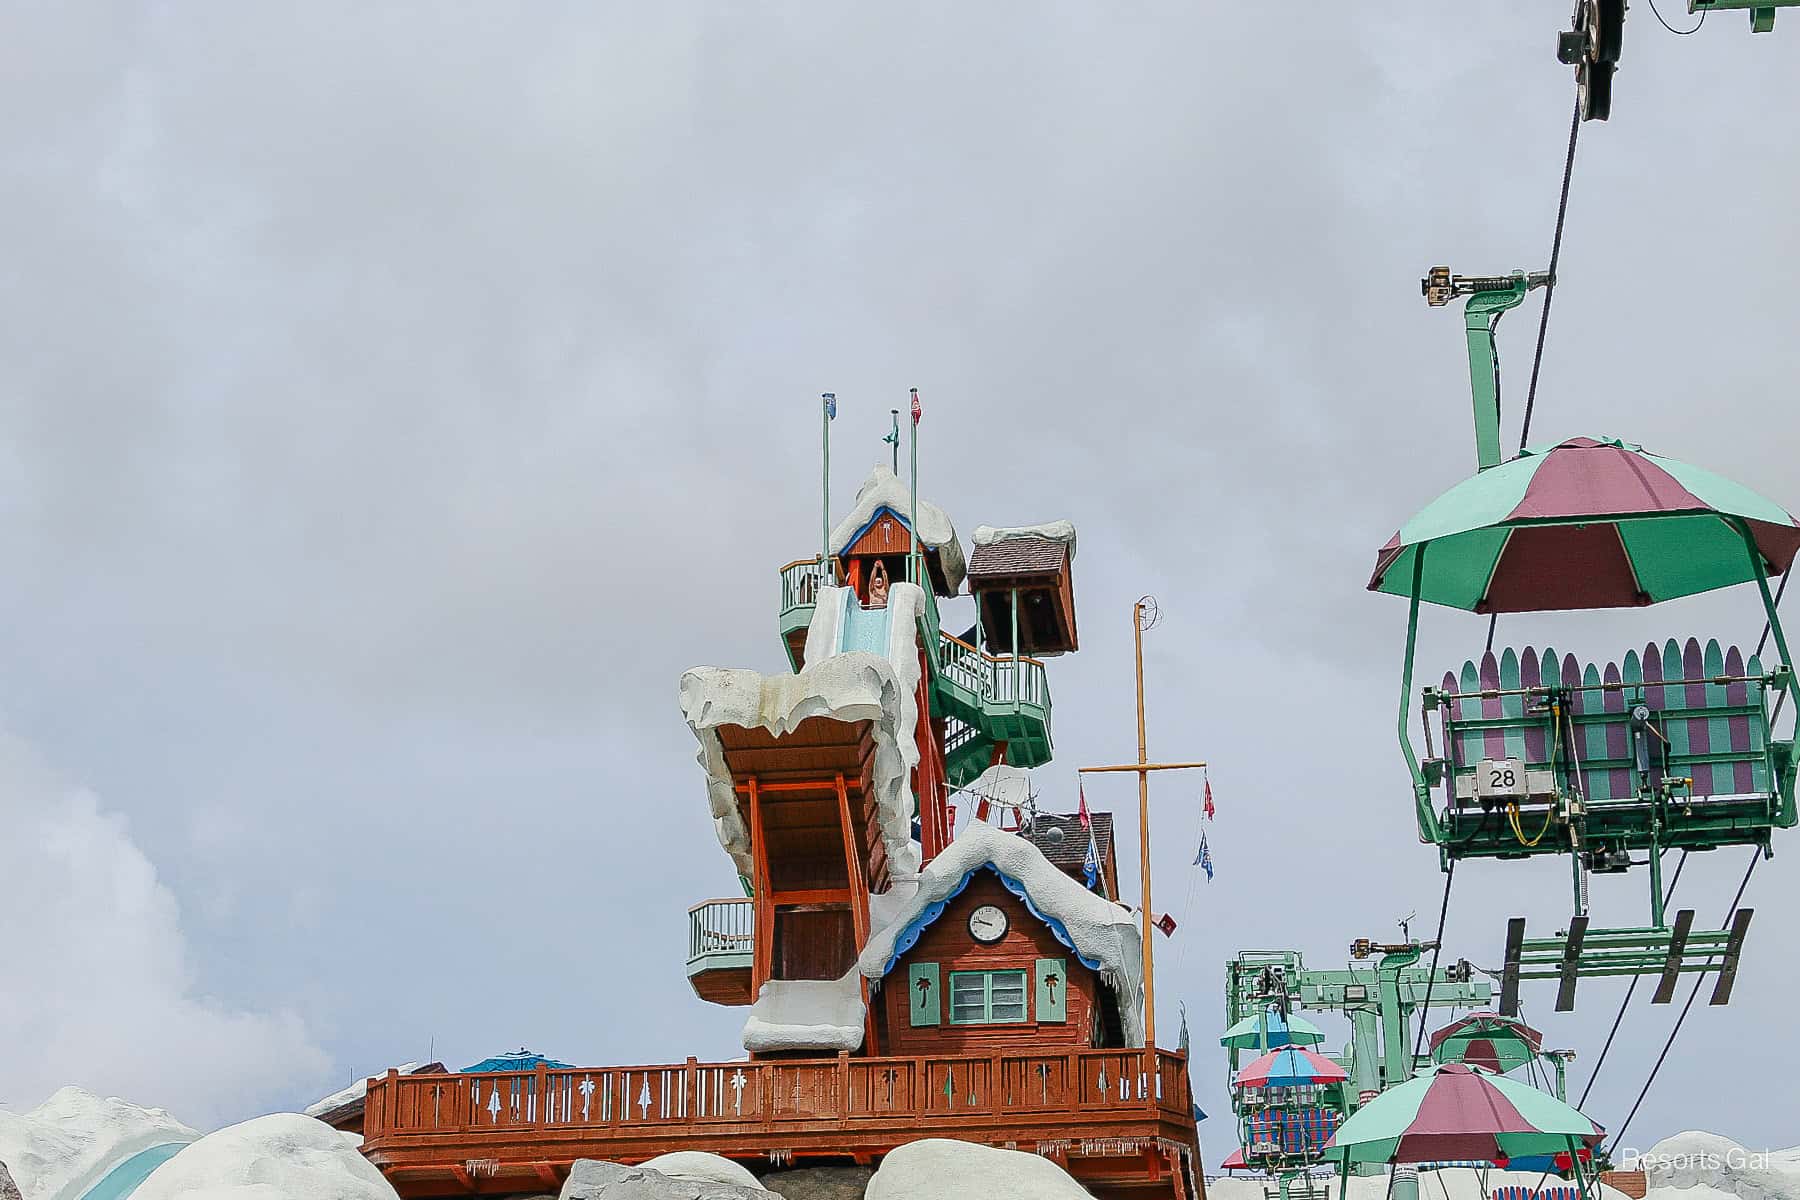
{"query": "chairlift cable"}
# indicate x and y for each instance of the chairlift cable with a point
(1675, 31)
(1562, 212)
(1436, 949)
(1700, 978)
(1626, 1003)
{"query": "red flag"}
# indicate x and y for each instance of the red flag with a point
(1166, 923)
(917, 412)
(1208, 807)
(1082, 811)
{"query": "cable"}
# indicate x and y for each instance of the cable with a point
(1624, 1004)
(1562, 212)
(1680, 32)
(1436, 949)
(1755, 857)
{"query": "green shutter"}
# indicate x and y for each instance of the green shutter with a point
(1052, 990)
(923, 994)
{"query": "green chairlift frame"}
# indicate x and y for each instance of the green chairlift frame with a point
(1672, 751)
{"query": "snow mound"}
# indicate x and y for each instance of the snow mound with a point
(1102, 931)
(698, 1165)
(69, 1142)
(1051, 531)
(884, 489)
(355, 1091)
(8, 1189)
(807, 1014)
(286, 1156)
(844, 687)
(942, 1169)
(1002, 784)
(590, 1179)
(1705, 1166)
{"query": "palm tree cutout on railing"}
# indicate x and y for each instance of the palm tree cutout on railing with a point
(738, 1081)
(587, 1095)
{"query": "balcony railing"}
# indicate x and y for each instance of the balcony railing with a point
(720, 933)
(726, 1106)
(801, 581)
(996, 680)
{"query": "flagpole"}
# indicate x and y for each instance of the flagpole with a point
(914, 570)
(828, 401)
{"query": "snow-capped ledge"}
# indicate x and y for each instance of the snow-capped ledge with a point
(884, 489)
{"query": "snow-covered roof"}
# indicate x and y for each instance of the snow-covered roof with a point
(884, 489)
(355, 1091)
(855, 686)
(1103, 934)
(807, 1014)
(1050, 531)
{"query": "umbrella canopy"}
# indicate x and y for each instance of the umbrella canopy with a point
(1485, 1039)
(1584, 524)
(1291, 1066)
(1271, 1031)
(1235, 1161)
(518, 1060)
(1458, 1111)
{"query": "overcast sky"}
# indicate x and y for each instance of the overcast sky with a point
(396, 398)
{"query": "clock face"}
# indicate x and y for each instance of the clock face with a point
(987, 924)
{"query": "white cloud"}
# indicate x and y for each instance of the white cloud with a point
(95, 986)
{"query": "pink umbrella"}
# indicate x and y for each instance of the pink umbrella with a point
(1235, 1161)
(1290, 1066)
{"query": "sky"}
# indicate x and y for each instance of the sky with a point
(395, 399)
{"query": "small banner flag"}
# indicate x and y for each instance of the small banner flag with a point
(1203, 859)
(1081, 809)
(917, 411)
(830, 399)
(1090, 865)
(1166, 923)
(1208, 806)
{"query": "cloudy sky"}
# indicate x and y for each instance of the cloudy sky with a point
(395, 399)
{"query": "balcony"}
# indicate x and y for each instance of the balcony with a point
(1115, 1119)
(721, 943)
(800, 584)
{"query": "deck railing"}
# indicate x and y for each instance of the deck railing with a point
(708, 1102)
(999, 679)
(801, 581)
(721, 927)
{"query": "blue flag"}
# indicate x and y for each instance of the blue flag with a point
(830, 399)
(1203, 859)
(1090, 865)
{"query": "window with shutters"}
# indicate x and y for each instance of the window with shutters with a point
(988, 997)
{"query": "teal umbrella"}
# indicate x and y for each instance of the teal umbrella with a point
(1270, 1031)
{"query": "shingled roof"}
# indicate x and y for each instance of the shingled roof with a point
(1017, 556)
(1070, 849)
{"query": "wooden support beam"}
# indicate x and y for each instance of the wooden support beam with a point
(1509, 971)
(763, 945)
(1570, 972)
(1740, 925)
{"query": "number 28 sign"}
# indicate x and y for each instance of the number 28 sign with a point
(1500, 777)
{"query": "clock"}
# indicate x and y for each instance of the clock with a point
(987, 924)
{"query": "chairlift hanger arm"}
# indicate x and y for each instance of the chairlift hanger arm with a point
(1489, 297)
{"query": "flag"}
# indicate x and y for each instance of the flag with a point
(1166, 923)
(1208, 807)
(830, 399)
(1081, 810)
(1181, 1042)
(917, 412)
(1203, 859)
(1090, 865)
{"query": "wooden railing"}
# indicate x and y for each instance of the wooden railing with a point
(709, 1102)
(721, 927)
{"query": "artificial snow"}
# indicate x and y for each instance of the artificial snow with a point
(1101, 930)
(1006, 786)
(281, 1157)
(807, 1014)
(355, 1091)
(1051, 531)
(1703, 1166)
(698, 1165)
(943, 1169)
(65, 1145)
(884, 489)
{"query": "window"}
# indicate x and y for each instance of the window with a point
(987, 997)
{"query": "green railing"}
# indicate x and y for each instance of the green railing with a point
(993, 680)
(720, 933)
(801, 581)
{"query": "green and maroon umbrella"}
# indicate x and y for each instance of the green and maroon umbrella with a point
(1459, 1112)
(1584, 524)
(1485, 1039)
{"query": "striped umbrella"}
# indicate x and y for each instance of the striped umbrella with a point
(1485, 1039)
(1291, 1066)
(1584, 524)
(1271, 1031)
(1456, 1111)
